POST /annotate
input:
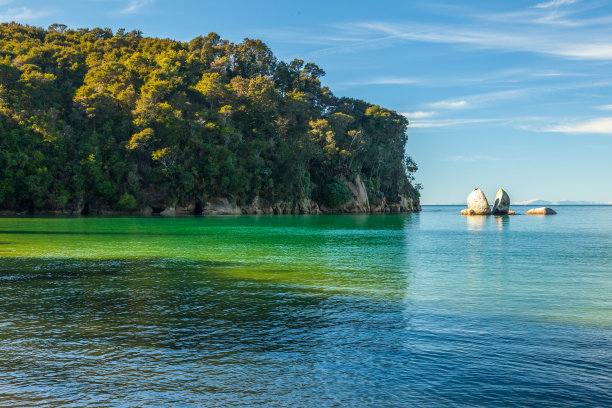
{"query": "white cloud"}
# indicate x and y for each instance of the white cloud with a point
(20, 14)
(590, 45)
(135, 5)
(418, 114)
(449, 104)
(593, 126)
(604, 107)
(448, 122)
(484, 99)
(555, 3)
(384, 81)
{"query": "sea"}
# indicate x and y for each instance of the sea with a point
(407, 310)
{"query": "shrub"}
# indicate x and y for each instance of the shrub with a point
(127, 202)
(335, 194)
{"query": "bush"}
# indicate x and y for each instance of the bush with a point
(335, 194)
(127, 202)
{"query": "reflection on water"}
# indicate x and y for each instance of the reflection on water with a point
(396, 310)
(501, 221)
(476, 222)
(479, 222)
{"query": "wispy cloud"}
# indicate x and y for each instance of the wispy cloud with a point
(449, 104)
(383, 81)
(135, 6)
(449, 122)
(578, 45)
(604, 107)
(418, 114)
(479, 100)
(554, 3)
(592, 126)
(20, 14)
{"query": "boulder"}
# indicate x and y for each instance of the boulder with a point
(220, 206)
(168, 212)
(541, 211)
(477, 202)
(501, 205)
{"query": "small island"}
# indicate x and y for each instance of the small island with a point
(100, 122)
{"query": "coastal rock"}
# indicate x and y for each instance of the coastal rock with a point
(380, 206)
(186, 210)
(359, 202)
(510, 212)
(501, 205)
(220, 206)
(408, 204)
(145, 211)
(168, 212)
(467, 211)
(541, 211)
(477, 202)
(257, 206)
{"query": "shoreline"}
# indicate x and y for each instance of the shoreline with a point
(7, 214)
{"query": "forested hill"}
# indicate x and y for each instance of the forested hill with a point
(98, 122)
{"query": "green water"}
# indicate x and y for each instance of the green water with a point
(393, 310)
(325, 253)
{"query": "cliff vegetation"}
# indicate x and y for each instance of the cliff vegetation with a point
(94, 121)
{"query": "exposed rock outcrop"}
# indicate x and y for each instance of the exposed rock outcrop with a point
(359, 202)
(220, 206)
(168, 212)
(477, 203)
(501, 205)
(541, 211)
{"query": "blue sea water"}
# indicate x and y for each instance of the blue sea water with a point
(425, 309)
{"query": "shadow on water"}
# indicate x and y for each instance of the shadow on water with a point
(159, 303)
(26, 269)
(111, 233)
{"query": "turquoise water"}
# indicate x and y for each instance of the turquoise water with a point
(428, 309)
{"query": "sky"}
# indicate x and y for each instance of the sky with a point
(513, 94)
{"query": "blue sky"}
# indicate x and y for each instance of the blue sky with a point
(512, 94)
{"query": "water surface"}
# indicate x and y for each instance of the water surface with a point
(396, 310)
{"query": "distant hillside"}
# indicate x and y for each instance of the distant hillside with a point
(93, 121)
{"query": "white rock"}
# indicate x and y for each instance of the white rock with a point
(477, 202)
(541, 211)
(501, 205)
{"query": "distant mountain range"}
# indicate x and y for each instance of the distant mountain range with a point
(545, 202)
(562, 202)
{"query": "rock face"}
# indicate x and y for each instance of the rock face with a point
(501, 205)
(168, 212)
(359, 202)
(477, 203)
(221, 206)
(541, 211)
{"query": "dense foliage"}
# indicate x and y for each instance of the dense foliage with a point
(89, 117)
